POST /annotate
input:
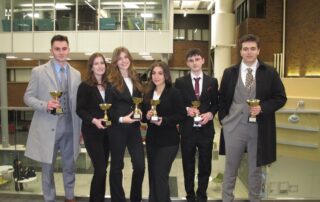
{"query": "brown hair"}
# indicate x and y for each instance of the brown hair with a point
(249, 37)
(193, 52)
(91, 79)
(59, 37)
(114, 74)
(167, 78)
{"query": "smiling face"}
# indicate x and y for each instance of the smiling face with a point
(98, 67)
(60, 51)
(157, 76)
(249, 52)
(123, 61)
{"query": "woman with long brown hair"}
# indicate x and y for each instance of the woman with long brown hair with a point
(91, 93)
(163, 139)
(125, 130)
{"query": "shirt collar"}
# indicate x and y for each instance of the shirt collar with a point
(57, 66)
(194, 76)
(254, 67)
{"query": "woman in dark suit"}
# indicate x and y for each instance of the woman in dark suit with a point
(91, 93)
(124, 131)
(162, 138)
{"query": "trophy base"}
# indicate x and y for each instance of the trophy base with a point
(252, 120)
(106, 123)
(154, 119)
(137, 116)
(197, 121)
(57, 111)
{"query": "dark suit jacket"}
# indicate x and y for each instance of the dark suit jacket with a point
(208, 102)
(172, 112)
(271, 93)
(122, 103)
(88, 100)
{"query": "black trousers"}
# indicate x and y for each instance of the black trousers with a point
(160, 160)
(97, 146)
(189, 145)
(120, 137)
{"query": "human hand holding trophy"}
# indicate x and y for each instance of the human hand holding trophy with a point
(56, 95)
(137, 114)
(253, 103)
(154, 118)
(197, 118)
(105, 107)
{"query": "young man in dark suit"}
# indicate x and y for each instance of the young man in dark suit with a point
(197, 133)
(250, 79)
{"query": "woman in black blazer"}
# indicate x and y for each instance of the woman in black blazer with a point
(124, 131)
(91, 93)
(162, 138)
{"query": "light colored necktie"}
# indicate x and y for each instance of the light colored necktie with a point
(63, 78)
(249, 78)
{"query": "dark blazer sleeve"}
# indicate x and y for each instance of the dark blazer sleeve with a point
(179, 111)
(83, 102)
(213, 90)
(274, 98)
(180, 86)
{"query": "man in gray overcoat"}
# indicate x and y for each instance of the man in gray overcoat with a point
(51, 131)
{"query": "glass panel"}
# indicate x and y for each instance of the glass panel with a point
(110, 15)
(190, 34)
(22, 15)
(156, 15)
(205, 35)
(43, 15)
(197, 34)
(5, 13)
(65, 14)
(133, 12)
(87, 15)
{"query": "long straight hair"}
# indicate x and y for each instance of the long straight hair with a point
(114, 74)
(91, 79)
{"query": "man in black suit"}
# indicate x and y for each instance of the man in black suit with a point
(250, 79)
(197, 134)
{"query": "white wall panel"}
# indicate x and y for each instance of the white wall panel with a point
(158, 42)
(5, 41)
(110, 40)
(134, 41)
(42, 41)
(88, 42)
(22, 42)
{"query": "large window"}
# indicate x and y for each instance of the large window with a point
(43, 15)
(65, 14)
(5, 13)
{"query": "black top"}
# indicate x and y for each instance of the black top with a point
(172, 112)
(88, 100)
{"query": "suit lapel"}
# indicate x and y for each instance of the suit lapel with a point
(190, 87)
(51, 74)
(205, 85)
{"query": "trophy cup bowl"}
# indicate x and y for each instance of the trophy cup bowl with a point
(154, 117)
(253, 103)
(105, 107)
(197, 119)
(56, 95)
(137, 114)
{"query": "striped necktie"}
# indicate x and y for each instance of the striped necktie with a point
(249, 78)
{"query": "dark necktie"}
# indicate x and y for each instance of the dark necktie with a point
(249, 78)
(63, 78)
(197, 87)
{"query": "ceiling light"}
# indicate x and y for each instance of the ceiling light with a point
(130, 5)
(144, 54)
(146, 15)
(26, 59)
(210, 5)
(87, 2)
(185, 13)
(11, 57)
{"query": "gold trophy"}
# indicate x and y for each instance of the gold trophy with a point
(56, 95)
(105, 107)
(253, 103)
(196, 119)
(137, 114)
(154, 117)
